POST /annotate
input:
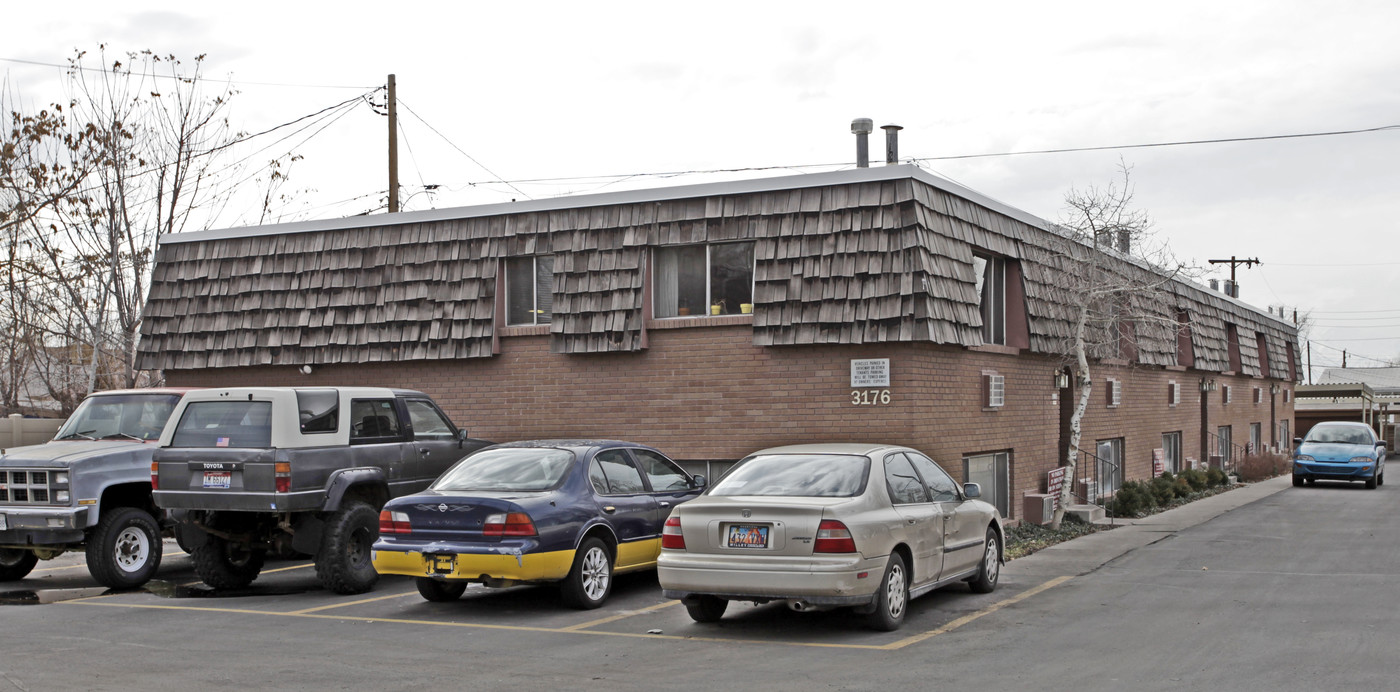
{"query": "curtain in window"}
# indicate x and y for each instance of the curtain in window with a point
(665, 281)
(544, 289)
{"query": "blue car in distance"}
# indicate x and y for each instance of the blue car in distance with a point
(574, 512)
(1339, 451)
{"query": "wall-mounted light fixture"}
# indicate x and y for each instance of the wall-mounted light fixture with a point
(1207, 385)
(1273, 389)
(305, 369)
(1062, 380)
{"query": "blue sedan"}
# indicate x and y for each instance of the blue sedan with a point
(574, 512)
(1339, 451)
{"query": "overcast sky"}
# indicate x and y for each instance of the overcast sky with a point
(590, 91)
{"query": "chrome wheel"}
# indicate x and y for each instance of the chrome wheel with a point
(596, 573)
(991, 562)
(132, 549)
(896, 591)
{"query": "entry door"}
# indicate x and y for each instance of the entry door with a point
(625, 504)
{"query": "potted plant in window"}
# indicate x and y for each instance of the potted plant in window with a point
(717, 308)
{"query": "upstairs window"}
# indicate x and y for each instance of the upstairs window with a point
(711, 279)
(1232, 335)
(993, 390)
(1225, 394)
(529, 290)
(1114, 393)
(991, 292)
(1173, 393)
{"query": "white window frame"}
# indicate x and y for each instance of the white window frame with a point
(709, 278)
(1102, 466)
(535, 311)
(1173, 393)
(1256, 437)
(999, 495)
(1225, 394)
(1115, 393)
(1171, 462)
(1258, 395)
(993, 316)
(994, 388)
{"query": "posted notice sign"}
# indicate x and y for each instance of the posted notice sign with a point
(870, 372)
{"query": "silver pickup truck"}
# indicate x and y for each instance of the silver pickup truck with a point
(296, 471)
(88, 489)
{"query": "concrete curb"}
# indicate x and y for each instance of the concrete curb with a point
(1087, 553)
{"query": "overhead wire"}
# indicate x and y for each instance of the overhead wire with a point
(459, 149)
(177, 77)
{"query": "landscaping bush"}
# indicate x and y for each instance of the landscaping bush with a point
(1132, 499)
(1163, 489)
(1196, 479)
(1215, 477)
(1257, 467)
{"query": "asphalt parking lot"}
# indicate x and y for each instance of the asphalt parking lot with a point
(1202, 597)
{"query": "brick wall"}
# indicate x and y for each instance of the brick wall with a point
(707, 393)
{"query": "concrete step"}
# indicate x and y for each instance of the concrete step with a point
(1090, 514)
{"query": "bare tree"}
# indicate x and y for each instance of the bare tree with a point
(1116, 288)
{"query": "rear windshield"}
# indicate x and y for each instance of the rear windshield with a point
(119, 416)
(225, 424)
(1345, 434)
(508, 469)
(796, 475)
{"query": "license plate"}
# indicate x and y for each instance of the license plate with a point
(218, 479)
(4, 523)
(444, 564)
(748, 536)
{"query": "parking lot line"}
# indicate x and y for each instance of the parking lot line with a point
(350, 603)
(973, 616)
(619, 616)
(287, 569)
(59, 569)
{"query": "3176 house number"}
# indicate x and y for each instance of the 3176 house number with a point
(870, 397)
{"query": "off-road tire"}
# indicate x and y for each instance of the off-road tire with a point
(439, 591)
(124, 550)
(989, 570)
(892, 598)
(343, 564)
(706, 608)
(590, 580)
(16, 564)
(223, 565)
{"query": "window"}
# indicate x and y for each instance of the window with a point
(991, 292)
(1185, 355)
(374, 420)
(1114, 392)
(1171, 448)
(1256, 438)
(1263, 345)
(508, 470)
(1283, 438)
(1224, 393)
(992, 472)
(613, 471)
(1110, 465)
(1173, 393)
(1285, 396)
(903, 482)
(1258, 395)
(1232, 336)
(712, 279)
(428, 422)
(1223, 445)
(1292, 364)
(940, 485)
(993, 390)
(225, 424)
(662, 473)
(529, 290)
(318, 410)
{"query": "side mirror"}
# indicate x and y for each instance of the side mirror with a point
(698, 481)
(972, 490)
(1381, 444)
(1297, 441)
(461, 437)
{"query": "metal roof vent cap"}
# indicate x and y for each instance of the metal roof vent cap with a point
(891, 143)
(861, 128)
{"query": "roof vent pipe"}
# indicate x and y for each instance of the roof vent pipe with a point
(861, 128)
(1215, 284)
(891, 143)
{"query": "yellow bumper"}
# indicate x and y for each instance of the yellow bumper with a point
(551, 566)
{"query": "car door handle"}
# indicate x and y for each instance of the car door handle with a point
(609, 509)
(912, 520)
(424, 451)
(664, 503)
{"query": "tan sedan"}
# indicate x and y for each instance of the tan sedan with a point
(829, 525)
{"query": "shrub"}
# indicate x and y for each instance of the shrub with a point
(1132, 499)
(1163, 489)
(1257, 467)
(1215, 477)
(1183, 487)
(1196, 479)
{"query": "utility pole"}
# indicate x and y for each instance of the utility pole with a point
(1309, 361)
(1344, 359)
(1233, 262)
(394, 148)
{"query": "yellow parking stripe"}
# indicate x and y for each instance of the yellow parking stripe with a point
(350, 603)
(581, 628)
(973, 616)
(60, 569)
(615, 618)
(285, 569)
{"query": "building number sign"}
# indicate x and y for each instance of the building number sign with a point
(870, 379)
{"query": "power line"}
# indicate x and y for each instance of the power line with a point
(459, 149)
(177, 77)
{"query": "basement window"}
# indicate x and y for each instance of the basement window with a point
(709, 279)
(529, 290)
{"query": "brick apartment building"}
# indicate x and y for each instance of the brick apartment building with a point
(713, 320)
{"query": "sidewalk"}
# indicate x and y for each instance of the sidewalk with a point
(1088, 553)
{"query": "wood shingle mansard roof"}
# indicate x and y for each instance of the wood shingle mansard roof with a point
(862, 256)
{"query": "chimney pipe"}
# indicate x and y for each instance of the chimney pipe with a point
(1125, 240)
(861, 128)
(1215, 284)
(891, 143)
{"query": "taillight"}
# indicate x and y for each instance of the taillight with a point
(834, 537)
(671, 537)
(155, 476)
(513, 524)
(282, 473)
(394, 522)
